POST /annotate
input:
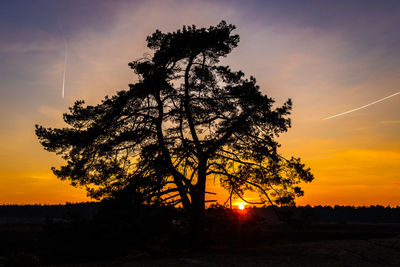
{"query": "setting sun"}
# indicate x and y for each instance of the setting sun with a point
(241, 206)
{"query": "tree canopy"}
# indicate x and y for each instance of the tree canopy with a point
(187, 120)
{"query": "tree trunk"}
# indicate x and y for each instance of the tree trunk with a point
(198, 211)
(197, 221)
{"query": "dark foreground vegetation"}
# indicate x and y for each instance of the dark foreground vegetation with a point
(109, 233)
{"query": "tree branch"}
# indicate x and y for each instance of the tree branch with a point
(188, 110)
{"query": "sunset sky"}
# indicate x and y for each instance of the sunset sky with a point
(328, 56)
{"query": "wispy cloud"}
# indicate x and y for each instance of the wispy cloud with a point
(390, 122)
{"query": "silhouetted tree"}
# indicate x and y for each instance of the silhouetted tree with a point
(186, 120)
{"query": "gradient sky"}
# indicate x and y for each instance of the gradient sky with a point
(328, 56)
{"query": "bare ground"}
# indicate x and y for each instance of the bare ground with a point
(372, 252)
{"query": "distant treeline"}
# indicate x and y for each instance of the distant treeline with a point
(336, 214)
(68, 211)
(373, 214)
(317, 214)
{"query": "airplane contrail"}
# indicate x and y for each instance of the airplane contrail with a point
(367, 105)
(65, 68)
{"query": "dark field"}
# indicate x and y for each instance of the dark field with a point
(159, 237)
